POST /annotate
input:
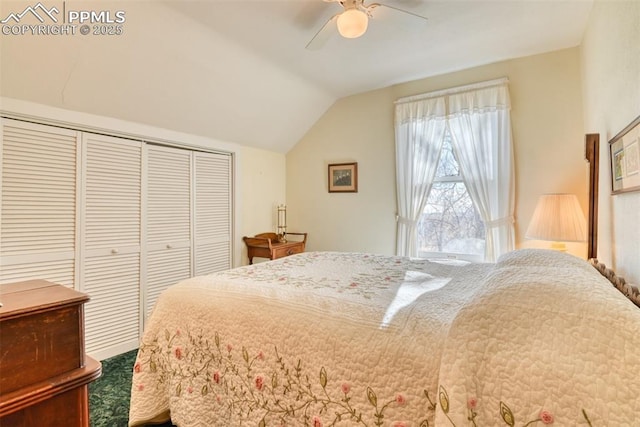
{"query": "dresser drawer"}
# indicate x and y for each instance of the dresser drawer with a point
(288, 249)
(40, 346)
(42, 333)
(44, 372)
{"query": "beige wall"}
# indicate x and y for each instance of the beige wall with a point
(610, 64)
(359, 129)
(549, 152)
(261, 186)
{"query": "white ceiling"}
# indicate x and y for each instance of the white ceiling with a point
(397, 47)
(239, 71)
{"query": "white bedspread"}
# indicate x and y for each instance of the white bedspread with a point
(548, 339)
(353, 339)
(316, 338)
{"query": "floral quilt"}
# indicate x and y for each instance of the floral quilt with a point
(348, 339)
(547, 340)
(315, 339)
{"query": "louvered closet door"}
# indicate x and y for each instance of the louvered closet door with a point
(38, 203)
(111, 223)
(212, 231)
(168, 213)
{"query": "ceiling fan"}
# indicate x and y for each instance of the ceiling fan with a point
(352, 22)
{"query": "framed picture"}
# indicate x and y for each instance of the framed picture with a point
(624, 151)
(343, 178)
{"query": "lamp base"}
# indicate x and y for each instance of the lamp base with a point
(559, 246)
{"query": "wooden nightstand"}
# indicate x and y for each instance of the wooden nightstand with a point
(267, 245)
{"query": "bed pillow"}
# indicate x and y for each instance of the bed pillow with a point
(539, 258)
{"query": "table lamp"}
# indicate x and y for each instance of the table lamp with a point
(282, 223)
(558, 218)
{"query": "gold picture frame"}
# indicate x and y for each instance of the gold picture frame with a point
(343, 178)
(624, 152)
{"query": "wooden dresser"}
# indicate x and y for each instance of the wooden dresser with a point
(267, 245)
(44, 372)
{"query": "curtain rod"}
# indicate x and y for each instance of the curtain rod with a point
(454, 90)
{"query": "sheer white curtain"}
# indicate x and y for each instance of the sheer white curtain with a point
(419, 126)
(480, 125)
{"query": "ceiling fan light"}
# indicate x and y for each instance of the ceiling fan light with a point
(352, 23)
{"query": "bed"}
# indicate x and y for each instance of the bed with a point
(352, 339)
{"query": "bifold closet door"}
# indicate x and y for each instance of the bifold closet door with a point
(168, 220)
(110, 242)
(212, 213)
(38, 203)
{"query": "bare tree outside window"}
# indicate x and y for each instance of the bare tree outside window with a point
(450, 223)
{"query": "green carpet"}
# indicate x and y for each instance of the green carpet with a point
(109, 395)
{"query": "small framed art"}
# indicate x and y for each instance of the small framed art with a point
(624, 151)
(343, 178)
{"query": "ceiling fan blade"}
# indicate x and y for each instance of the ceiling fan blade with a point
(328, 30)
(373, 6)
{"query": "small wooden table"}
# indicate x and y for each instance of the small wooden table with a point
(267, 245)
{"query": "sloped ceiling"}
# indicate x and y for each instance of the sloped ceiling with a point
(238, 71)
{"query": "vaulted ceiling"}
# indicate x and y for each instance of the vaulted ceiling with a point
(238, 70)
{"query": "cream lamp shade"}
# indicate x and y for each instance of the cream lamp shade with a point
(558, 218)
(352, 23)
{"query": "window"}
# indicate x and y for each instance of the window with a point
(450, 224)
(478, 117)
